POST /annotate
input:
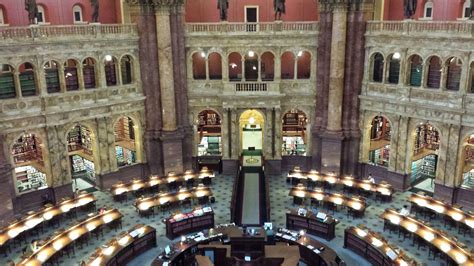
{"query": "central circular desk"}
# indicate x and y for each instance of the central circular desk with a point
(231, 245)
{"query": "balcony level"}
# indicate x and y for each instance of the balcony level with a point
(410, 28)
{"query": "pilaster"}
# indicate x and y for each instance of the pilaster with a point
(6, 186)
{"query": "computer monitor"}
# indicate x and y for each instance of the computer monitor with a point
(247, 258)
(268, 226)
(167, 250)
(321, 215)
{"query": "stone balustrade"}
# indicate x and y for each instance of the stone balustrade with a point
(251, 28)
(67, 31)
(417, 28)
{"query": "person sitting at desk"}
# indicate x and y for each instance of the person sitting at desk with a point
(404, 211)
(371, 179)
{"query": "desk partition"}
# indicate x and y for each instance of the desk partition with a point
(63, 239)
(32, 220)
(457, 252)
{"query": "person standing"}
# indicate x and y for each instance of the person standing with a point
(32, 8)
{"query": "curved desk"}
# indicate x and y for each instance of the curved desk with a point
(384, 189)
(47, 213)
(375, 248)
(125, 247)
(358, 205)
(311, 251)
(325, 228)
(63, 239)
(435, 237)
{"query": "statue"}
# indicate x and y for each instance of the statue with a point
(409, 8)
(223, 5)
(279, 6)
(32, 8)
(472, 9)
(95, 12)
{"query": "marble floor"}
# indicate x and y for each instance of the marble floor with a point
(280, 202)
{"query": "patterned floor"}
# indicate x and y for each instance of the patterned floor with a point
(280, 202)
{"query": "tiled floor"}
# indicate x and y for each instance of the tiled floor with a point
(280, 202)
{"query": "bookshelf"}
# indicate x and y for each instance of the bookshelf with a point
(394, 71)
(52, 80)
(89, 76)
(110, 74)
(7, 86)
(424, 168)
(454, 77)
(427, 137)
(27, 149)
(380, 129)
(29, 178)
(27, 83)
(416, 71)
(72, 81)
(434, 74)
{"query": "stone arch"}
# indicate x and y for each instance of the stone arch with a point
(28, 79)
(433, 67)
(294, 132)
(453, 67)
(415, 70)
(377, 61)
(393, 68)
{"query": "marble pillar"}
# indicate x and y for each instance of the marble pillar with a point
(165, 57)
(6, 186)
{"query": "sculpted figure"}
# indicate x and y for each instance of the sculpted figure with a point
(32, 8)
(95, 10)
(279, 7)
(409, 8)
(472, 9)
(223, 5)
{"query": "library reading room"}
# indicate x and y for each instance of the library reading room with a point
(237, 132)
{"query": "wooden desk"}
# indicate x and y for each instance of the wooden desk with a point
(63, 239)
(310, 249)
(125, 247)
(357, 204)
(374, 248)
(442, 242)
(145, 204)
(384, 189)
(456, 214)
(185, 223)
(312, 224)
(290, 254)
(155, 181)
(33, 220)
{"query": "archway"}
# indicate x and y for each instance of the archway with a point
(81, 143)
(453, 79)
(416, 70)
(199, 65)
(251, 131)
(111, 70)
(215, 66)
(7, 82)
(126, 67)
(425, 157)
(235, 67)
(303, 65)
(30, 171)
(468, 168)
(27, 80)
(267, 66)
(251, 66)
(89, 73)
(287, 65)
(434, 73)
(380, 136)
(125, 141)
(51, 71)
(394, 68)
(294, 133)
(71, 75)
(377, 67)
(209, 133)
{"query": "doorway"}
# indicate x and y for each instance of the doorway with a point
(251, 18)
(251, 132)
(81, 142)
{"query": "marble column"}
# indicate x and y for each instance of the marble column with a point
(165, 57)
(6, 187)
(80, 76)
(62, 78)
(16, 81)
(278, 133)
(225, 67)
(277, 69)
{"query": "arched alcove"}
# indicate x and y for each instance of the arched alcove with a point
(287, 65)
(209, 133)
(235, 67)
(251, 66)
(416, 70)
(126, 67)
(377, 67)
(303, 65)
(27, 80)
(380, 137)
(7, 82)
(453, 68)
(51, 72)
(434, 73)
(394, 68)
(199, 65)
(215, 66)
(294, 137)
(89, 73)
(125, 141)
(70, 74)
(81, 145)
(468, 163)
(267, 66)
(111, 70)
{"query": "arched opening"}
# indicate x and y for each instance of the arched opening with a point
(209, 130)
(304, 65)
(7, 82)
(471, 79)
(453, 79)
(77, 13)
(416, 70)
(27, 80)
(215, 66)
(70, 74)
(377, 67)
(380, 136)
(51, 72)
(466, 9)
(110, 67)
(425, 157)
(251, 66)
(41, 15)
(126, 67)
(30, 172)
(428, 10)
(287, 65)
(88, 70)
(3, 19)
(235, 67)
(468, 168)
(294, 133)
(199, 65)
(81, 143)
(251, 131)
(434, 73)
(394, 68)
(125, 144)
(267, 66)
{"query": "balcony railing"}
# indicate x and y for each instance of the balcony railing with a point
(87, 31)
(265, 27)
(413, 28)
(245, 87)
